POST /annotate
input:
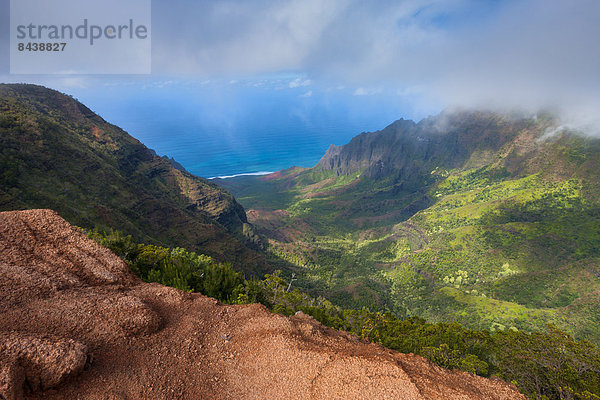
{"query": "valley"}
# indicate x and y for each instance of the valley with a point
(471, 217)
(469, 239)
(56, 153)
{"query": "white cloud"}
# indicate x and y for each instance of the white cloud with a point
(408, 91)
(462, 52)
(75, 82)
(526, 53)
(162, 84)
(366, 92)
(307, 94)
(299, 83)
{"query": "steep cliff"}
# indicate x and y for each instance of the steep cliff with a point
(411, 150)
(57, 153)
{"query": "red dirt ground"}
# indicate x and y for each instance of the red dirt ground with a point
(75, 323)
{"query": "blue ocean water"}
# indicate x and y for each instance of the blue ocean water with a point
(231, 129)
(256, 145)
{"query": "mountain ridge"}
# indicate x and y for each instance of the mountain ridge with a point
(445, 140)
(475, 217)
(57, 153)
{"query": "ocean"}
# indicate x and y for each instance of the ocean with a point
(228, 130)
(254, 148)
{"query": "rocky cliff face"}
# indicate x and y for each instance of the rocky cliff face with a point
(56, 153)
(75, 323)
(410, 150)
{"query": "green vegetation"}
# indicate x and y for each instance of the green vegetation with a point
(174, 267)
(473, 221)
(506, 237)
(543, 365)
(56, 153)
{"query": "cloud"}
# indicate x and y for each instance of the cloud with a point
(160, 84)
(238, 37)
(536, 53)
(299, 83)
(307, 94)
(74, 82)
(366, 92)
(510, 53)
(338, 38)
(408, 91)
(530, 53)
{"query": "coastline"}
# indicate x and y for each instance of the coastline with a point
(242, 174)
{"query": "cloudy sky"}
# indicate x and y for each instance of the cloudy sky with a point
(456, 51)
(530, 51)
(417, 56)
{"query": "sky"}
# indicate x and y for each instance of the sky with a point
(371, 61)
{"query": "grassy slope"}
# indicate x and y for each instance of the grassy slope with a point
(56, 153)
(511, 239)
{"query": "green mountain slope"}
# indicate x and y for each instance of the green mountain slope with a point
(56, 153)
(472, 217)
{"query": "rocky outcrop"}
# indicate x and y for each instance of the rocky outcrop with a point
(75, 323)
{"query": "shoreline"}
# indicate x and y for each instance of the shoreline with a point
(242, 174)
